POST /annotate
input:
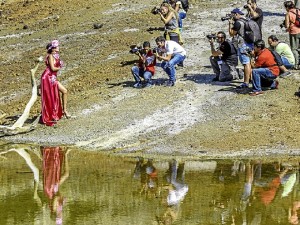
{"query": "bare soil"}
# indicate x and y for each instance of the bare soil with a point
(195, 117)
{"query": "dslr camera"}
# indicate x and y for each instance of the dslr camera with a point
(211, 36)
(282, 25)
(156, 50)
(135, 49)
(155, 10)
(227, 17)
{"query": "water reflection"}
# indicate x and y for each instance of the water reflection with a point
(54, 176)
(57, 185)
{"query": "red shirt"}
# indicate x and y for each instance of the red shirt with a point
(150, 62)
(265, 59)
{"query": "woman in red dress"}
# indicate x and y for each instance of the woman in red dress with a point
(52, 109)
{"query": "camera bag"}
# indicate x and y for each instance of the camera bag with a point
(252, 31)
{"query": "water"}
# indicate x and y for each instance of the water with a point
(59, 185)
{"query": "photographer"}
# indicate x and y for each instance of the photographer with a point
(285, 53)
(254, 13)
(145, 68)
(174, 54)
(223, 59)
(178, 7)
(170, 19)
(264, 68)
(237, 31)
(294, 31)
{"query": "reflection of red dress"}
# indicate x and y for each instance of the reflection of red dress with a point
(52, 162)
(51, 104)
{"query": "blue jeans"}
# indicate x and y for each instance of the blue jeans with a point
(181, 16)
(261, 73)
(286, 63)
(138, 73)
(169, 66)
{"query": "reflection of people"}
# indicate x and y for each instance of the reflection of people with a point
(145, 67)
(148, 176)
(293, 213)
(175, 54)
(54, 177)
(52, 110)
(223, 59)
(177, 190)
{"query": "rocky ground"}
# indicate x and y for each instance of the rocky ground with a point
(196, 117)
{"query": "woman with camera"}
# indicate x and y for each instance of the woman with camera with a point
(294, 31)
(170, 18)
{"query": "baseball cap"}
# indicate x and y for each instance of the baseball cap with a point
(238, 11)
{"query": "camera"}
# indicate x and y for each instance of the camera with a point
(157, 50)
(135, 49)
(282, 25)
(211, 36)
(155, 10)
(227, 17)
(246, 7)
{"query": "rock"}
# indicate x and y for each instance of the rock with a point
(98, 25)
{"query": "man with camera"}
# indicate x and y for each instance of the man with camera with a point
(264, 68)
(237, 31)
(223, 59)
(254, 13)
(174, 54)
(146, 65)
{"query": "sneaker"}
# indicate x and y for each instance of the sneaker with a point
(243, 85)
(137, 85)
(215, 79)
(170, 83)
(276, 84)
(180, 64)
(148, 85)
(255, 93)
(285, 74)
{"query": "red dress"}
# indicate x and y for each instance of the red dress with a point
(51, 103)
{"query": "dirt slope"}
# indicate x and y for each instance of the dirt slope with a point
(196, 117)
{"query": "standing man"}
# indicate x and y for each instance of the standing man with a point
(264, 68)
(174, 54)
(237, 31)
(254, 12)
(224, 59)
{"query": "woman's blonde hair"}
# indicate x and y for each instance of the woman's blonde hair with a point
(170, 9)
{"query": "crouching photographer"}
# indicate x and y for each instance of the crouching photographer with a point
(224, 59)
(146, 65)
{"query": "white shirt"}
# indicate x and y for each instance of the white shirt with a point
(173, 48)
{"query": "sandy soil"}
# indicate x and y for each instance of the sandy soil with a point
(196, 117)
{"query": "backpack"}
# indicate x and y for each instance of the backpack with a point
(185, 4)
(277, 57)
(252, 31)
(297, 20)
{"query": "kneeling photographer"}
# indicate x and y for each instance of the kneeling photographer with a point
(224, 59)
(146, 65)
